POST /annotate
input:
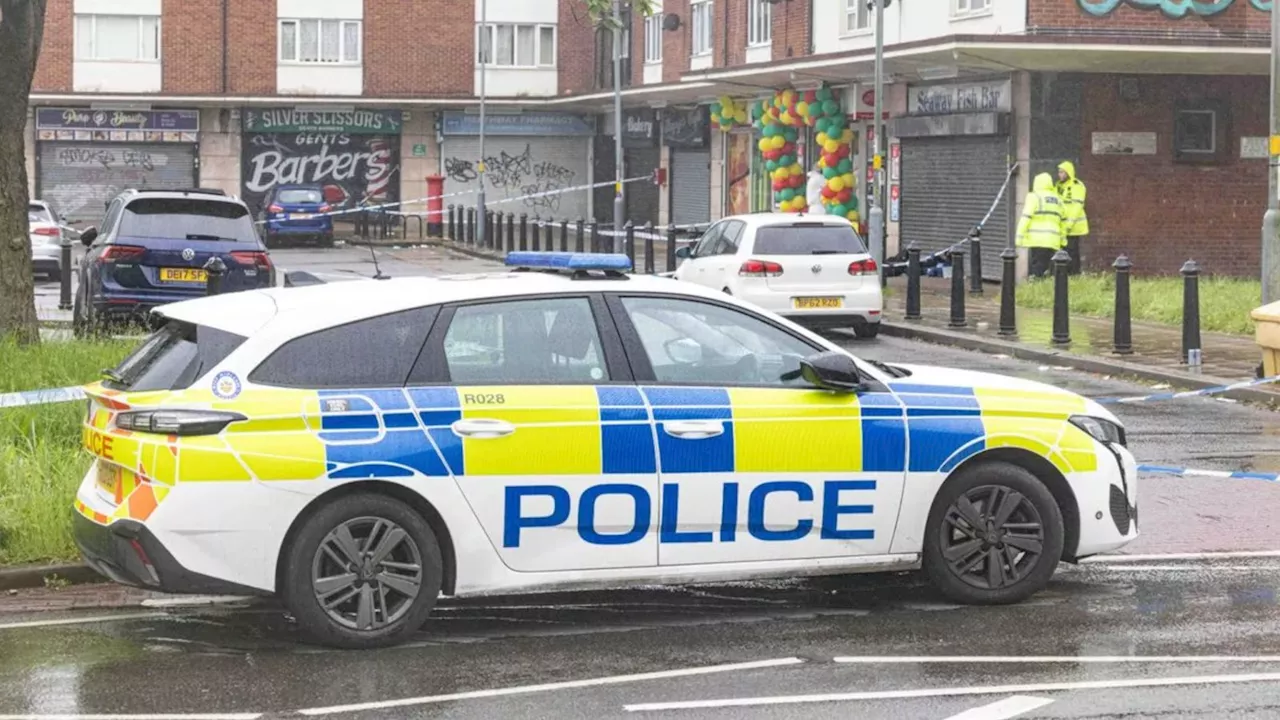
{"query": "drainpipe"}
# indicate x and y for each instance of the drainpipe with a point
(225, 44)
(724, 53)
(808, 36)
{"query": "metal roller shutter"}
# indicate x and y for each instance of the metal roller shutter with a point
(80, 178)
(519, 166)
(948, 184)
(690, 186)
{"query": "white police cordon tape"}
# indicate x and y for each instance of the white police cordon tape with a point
(1215, 390)
(1193, 472)
(41, 397)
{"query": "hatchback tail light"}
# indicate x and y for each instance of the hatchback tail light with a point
(177, 422)
(46, 231)
(863, 267)
(255, 258)
(760, 268)
(275, 209)
(325, 208)
(116, 253)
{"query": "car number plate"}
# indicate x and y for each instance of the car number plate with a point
(300, 216)
(108, 477)
(804, 303)
(187, 275)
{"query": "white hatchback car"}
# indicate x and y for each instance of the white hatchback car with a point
(812, 269)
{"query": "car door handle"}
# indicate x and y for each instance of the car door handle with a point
(482, 428)
(694, 429)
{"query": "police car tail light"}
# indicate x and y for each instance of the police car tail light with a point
(177, 422)
(249, 257)
(760, 268)
(863, 267)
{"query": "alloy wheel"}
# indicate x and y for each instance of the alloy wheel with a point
(366, 573)
(991, 537)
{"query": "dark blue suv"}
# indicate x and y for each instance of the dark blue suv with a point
(152, 249)
(297, 212)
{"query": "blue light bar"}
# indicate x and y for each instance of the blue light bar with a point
(568, 261)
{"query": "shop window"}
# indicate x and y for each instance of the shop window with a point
(1200, 132)
(327, 42)
(117, 38)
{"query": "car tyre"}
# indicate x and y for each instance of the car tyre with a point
(81, 323)
(387, 598)
(994, 535)
(866, 331)
(326, 240)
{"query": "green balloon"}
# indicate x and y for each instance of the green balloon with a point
(769, 131)
(790, 134)
(824, 94)
(786, 161)
(840, 210)
(845, 167)
(829, 173)
(837, 125)
(830, 107)
(853, 203)
(770, 165)
(787, 194)
(716, 108)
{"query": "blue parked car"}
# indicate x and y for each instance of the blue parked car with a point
(152, 249)
(297, 212)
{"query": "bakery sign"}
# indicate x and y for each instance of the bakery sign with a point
(971, 97)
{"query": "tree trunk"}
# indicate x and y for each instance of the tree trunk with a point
(21, 29)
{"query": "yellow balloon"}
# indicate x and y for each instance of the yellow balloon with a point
(853, 216)
(822, 163)
(786, 118)
(846, 136)
(796, 170)
(777, 101)
(849, 180)
(778, 142)
(715, 118)
(741, 116)
(802, 107)
(836, 184)
(764, 145)
(822, 139)
(788, 97)
(831, 145)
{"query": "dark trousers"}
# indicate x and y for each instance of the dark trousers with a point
(1040, 261)
(1073, 249)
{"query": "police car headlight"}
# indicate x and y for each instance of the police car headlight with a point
(1104, 431)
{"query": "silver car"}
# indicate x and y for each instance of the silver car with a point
(45, 230)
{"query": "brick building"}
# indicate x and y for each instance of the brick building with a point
(1161, 104)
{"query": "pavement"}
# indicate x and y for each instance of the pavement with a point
(1184, 625)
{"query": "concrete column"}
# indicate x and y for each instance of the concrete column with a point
(717, 174)
(1021, 85)
(664, 193)
(896, 105)
(418, 131)
(220, 150)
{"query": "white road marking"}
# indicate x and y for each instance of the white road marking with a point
(194, 600)
(1107, 559)
(1139, 567)
(160, 716)
(955, 692)
(1004, 709)
(81, 620)
(1050, 659)
(568, 685)
(145, 716)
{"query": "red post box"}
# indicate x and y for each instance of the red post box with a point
(435, 205)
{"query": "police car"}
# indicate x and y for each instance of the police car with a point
(360, 449)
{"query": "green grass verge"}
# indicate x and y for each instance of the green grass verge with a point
(1224, 302)
(41, 461)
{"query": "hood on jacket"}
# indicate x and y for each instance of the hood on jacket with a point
(1069, 168)
(1043, 183)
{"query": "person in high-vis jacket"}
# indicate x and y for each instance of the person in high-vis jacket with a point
(1042, 228)
(1072, 192)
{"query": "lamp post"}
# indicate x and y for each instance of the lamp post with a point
(619, 206)
(876, 214)
(486, 48)
(1271, 220)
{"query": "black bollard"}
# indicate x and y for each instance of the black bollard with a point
(629, 246)
(975, 262)
(497, 230)
(564, 236)
(648, 247)
(511, 231)
(215, 269)
(1061, 307)
(1008, 292)
(471, 226)
(453, 223)
(957, 289)
(671, 248)
(1123, 344)
(595, 236)
(1191, 313)
(913, 282)
(488, 229)
(64, 291)
(524, 231)
(534, 231)
(581, 242)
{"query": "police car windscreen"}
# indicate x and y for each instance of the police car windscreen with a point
(187, 219)
(808, 239)
(172, 358)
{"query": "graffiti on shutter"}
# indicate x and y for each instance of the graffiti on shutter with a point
(79, 179)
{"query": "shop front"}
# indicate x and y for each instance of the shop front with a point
(353, 155)
(686, 133)
(85, 157)
(536, 163)
(955, 155)
(641, 156)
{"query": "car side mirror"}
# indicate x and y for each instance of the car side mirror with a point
(684, 253)
(88, 236)
(832, 371)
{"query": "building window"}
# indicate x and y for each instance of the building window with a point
(117, 37)
(969, 7)
(701, 21)
(759, 22)
(329, 42)
(653, 38)
(1199, 132)
(523, 46)
(857, 15)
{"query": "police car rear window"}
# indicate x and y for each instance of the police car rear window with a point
(808, 239)
(172, 358)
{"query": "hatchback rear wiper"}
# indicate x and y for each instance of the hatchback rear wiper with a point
(197, 236)
(824, 252)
